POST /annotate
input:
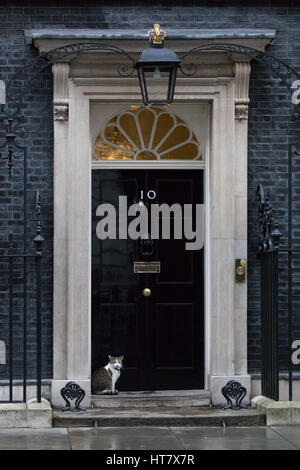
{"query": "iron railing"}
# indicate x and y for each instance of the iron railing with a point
(269, 324)
(16, 349)
(289, 316)
(268, 246)
(280, 305)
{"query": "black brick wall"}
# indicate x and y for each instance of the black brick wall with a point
(268, 114)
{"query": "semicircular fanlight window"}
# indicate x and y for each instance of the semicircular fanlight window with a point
(146, 134)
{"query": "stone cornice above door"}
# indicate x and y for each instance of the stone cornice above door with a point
(104, 64)
(180, 40)
(47, 39)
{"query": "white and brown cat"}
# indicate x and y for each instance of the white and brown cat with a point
(104, 379)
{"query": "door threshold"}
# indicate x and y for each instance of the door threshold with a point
(153, 398)
(161, 393)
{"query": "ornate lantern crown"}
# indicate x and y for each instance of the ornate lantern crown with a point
(156, 35)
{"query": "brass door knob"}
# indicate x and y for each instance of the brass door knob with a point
(146, 292)
(240, 270)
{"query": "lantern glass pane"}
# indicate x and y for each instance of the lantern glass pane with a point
(156, 80)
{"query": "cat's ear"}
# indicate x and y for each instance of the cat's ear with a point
(121, 358)
(110, 357)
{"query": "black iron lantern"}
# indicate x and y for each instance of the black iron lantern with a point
(157, 69)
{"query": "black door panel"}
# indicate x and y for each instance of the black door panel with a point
(161, 336)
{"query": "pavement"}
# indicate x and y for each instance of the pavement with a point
(153, 438)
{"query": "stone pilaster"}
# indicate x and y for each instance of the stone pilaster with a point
(60, 242)
(242, 73)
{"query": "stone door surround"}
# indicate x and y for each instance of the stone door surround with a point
(222, 80)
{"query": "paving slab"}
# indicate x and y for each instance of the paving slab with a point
(34, 439)
(153, 438)
(291, 433)
(231, 438)
(125, 438)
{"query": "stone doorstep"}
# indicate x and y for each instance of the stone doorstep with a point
(26, 415)
(278, 413)
(185, 416)
(151, 399)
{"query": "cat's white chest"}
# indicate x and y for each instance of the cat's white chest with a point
(115, 374)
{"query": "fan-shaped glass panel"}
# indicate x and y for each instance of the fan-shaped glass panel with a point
(146, 134)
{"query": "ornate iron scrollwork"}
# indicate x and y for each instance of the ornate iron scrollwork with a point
(38, 239)
(13, 129)
(269, 235)
(265, 220)
(71, 391)
(233, 390)
(279, 68)
(189, 69)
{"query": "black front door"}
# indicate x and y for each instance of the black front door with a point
(161, 335)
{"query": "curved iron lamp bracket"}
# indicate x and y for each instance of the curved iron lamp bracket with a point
(280, 69)
(65, 51)
(37, 65)
(11, 118)
(26, 74)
